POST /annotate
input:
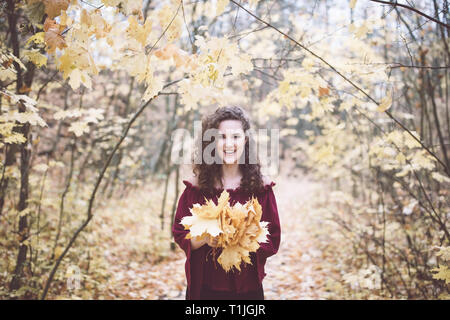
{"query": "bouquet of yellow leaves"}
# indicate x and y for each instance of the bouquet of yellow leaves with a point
(238, 228)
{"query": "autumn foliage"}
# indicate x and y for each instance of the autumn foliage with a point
(238, 228)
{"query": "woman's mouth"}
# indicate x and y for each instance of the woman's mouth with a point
(229, 152)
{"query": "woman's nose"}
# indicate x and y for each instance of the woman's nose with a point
(229, 143)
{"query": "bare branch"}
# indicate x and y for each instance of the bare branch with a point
(396, 4)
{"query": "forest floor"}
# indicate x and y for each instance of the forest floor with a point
(295, 272)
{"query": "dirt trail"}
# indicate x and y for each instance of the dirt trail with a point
(295, 272)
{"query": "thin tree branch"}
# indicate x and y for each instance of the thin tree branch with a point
(396, 4)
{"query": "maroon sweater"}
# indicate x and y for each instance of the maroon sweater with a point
(202, 269)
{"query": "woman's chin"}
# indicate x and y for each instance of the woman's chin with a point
(227, 160)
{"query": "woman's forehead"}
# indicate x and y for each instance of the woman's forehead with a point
(230, 126)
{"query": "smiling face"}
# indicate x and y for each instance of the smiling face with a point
(231, 141)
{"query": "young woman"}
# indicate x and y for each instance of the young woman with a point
(205, 277)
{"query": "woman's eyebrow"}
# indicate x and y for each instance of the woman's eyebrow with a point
(231, 133)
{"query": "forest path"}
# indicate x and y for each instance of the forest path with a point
(293, 273)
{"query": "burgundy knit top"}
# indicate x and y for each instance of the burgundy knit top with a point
(202, 269)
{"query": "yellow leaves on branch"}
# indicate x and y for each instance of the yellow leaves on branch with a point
(221, 5)
(385, 103)
(360, 30)
(53, 38)
(216, 55)
(86, 116)
(79, 128)
(53, 7)
(76, 61)
(12, 118)
(36, 38)
(207, 70)
(94, 24)
(36, 57)
(383, 153)
(169, 18)
(179, 56)
(442, 273)
(127, 7)
(142, 67)
(139, 32)
(444, 253)
(238, 228)
(77, 77)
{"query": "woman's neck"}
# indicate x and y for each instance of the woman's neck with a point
(231, 174)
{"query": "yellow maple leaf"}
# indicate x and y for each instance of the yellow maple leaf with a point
(210, 210)
(231, 257)
(36, 57)
(77, 77)
(442, 273)
(385, 103)
(139, 32)
(30, 117)
(284, 86)
(198, 226)
(79, 127)
(221, 5)
(53, 37)
(155, 85)
(58, 251)
(14, 137)
(444, 253)
(36, 38)
(53, 7)
(65, 20)
(85, 18)
(441, 178)
(66, 63)
(170, 21)
(111, 3)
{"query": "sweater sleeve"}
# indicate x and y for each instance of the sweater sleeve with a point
(269, 248)
(178, 230)
(194, 258)
(270, 214)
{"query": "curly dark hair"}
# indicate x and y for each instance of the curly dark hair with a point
(208, 174)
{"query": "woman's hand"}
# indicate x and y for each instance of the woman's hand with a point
(212, 242)
(197, 243)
